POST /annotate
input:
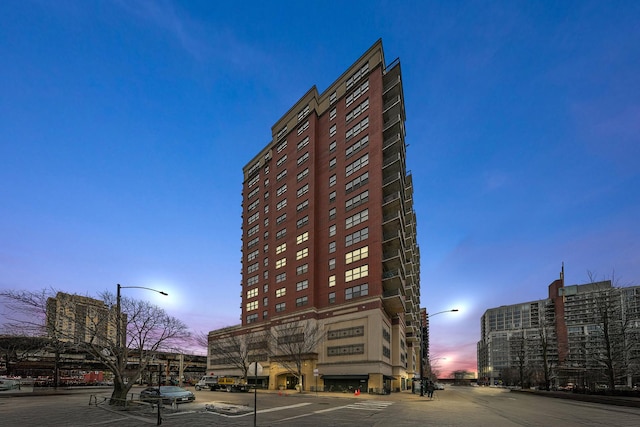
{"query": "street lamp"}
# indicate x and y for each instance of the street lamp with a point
(422, 344)
(119, 333)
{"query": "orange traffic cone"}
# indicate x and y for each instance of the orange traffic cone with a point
(357, 393)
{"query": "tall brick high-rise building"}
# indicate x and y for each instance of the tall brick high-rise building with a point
(329, 234)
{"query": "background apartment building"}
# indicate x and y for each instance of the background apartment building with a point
(586, 336)
(329, 234)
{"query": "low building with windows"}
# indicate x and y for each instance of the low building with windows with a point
(329, 239)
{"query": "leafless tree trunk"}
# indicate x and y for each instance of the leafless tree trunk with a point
(293, 343)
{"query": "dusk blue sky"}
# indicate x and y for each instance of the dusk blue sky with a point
(124, 127)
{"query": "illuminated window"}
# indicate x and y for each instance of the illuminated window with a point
(281, 262)
(252, 293)
(281, 248)
(281, 292)
(356, 255)
(253, 305)
(302, 237)
(356, 273)
(302, 253)
(332, 281)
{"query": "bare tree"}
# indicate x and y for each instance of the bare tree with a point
(89, 325)
(293, 343)
(231, 348)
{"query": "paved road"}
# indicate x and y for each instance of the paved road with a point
(456, 406)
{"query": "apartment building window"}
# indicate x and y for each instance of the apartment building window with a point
(302, 206)
(266, 222)
(302, 285)
(333, 130)
(253, 192)
(281, 277)
(357, 75)
(332, 146)
(302, 221)
(252, 293)
(357, 165)
(281, 175)
(302, 253)
(332, 230)
(253, 205)
(356, 291)
(302, 175)
(281, 248)
(281, 146)
(332, 247)
(357, 146)
(281, 160)
(357, 200)
(281, 292)
(281, 190)
(332, 297)
(332, 281)
(266, 195)
(281, 204)
(251, 243)
(281, 263)
(266, 263)
(302, 301)
(265, 288)
(281, 233)
(253, 255)
(356, 273)
(302, 158)
(358, 236)
(252, 305)
(266, 168)
(356, 255)
(253, 268)
(362, 107)
(359, 127)
(266, 235)
(333, 113)
(332, 264)
(252, 318)
(302, 269)
(303, 113)
(282, 218)
(332, 197)
(265, 314)
(332, 163)
(332, 180)
(254, 181)
(302, 237)
(281, 132)
(281, 307)
(253, 218)
(303, 143)
(265, 302)
(304, 127)
(332, 213)
(253, 230)
(363, 88)
(333, 97)
(356, 219)
(302, 190)
(357, 182)
(266, 183)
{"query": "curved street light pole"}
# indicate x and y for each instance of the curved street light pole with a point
(422, 326)
(119, 333)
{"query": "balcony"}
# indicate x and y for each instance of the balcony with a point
(393, 280)
(393, 301)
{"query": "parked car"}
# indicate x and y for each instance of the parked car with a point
(439, 386)
(168, 394)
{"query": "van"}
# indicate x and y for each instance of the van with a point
(207, 381)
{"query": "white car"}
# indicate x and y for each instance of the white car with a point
(439, 386)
